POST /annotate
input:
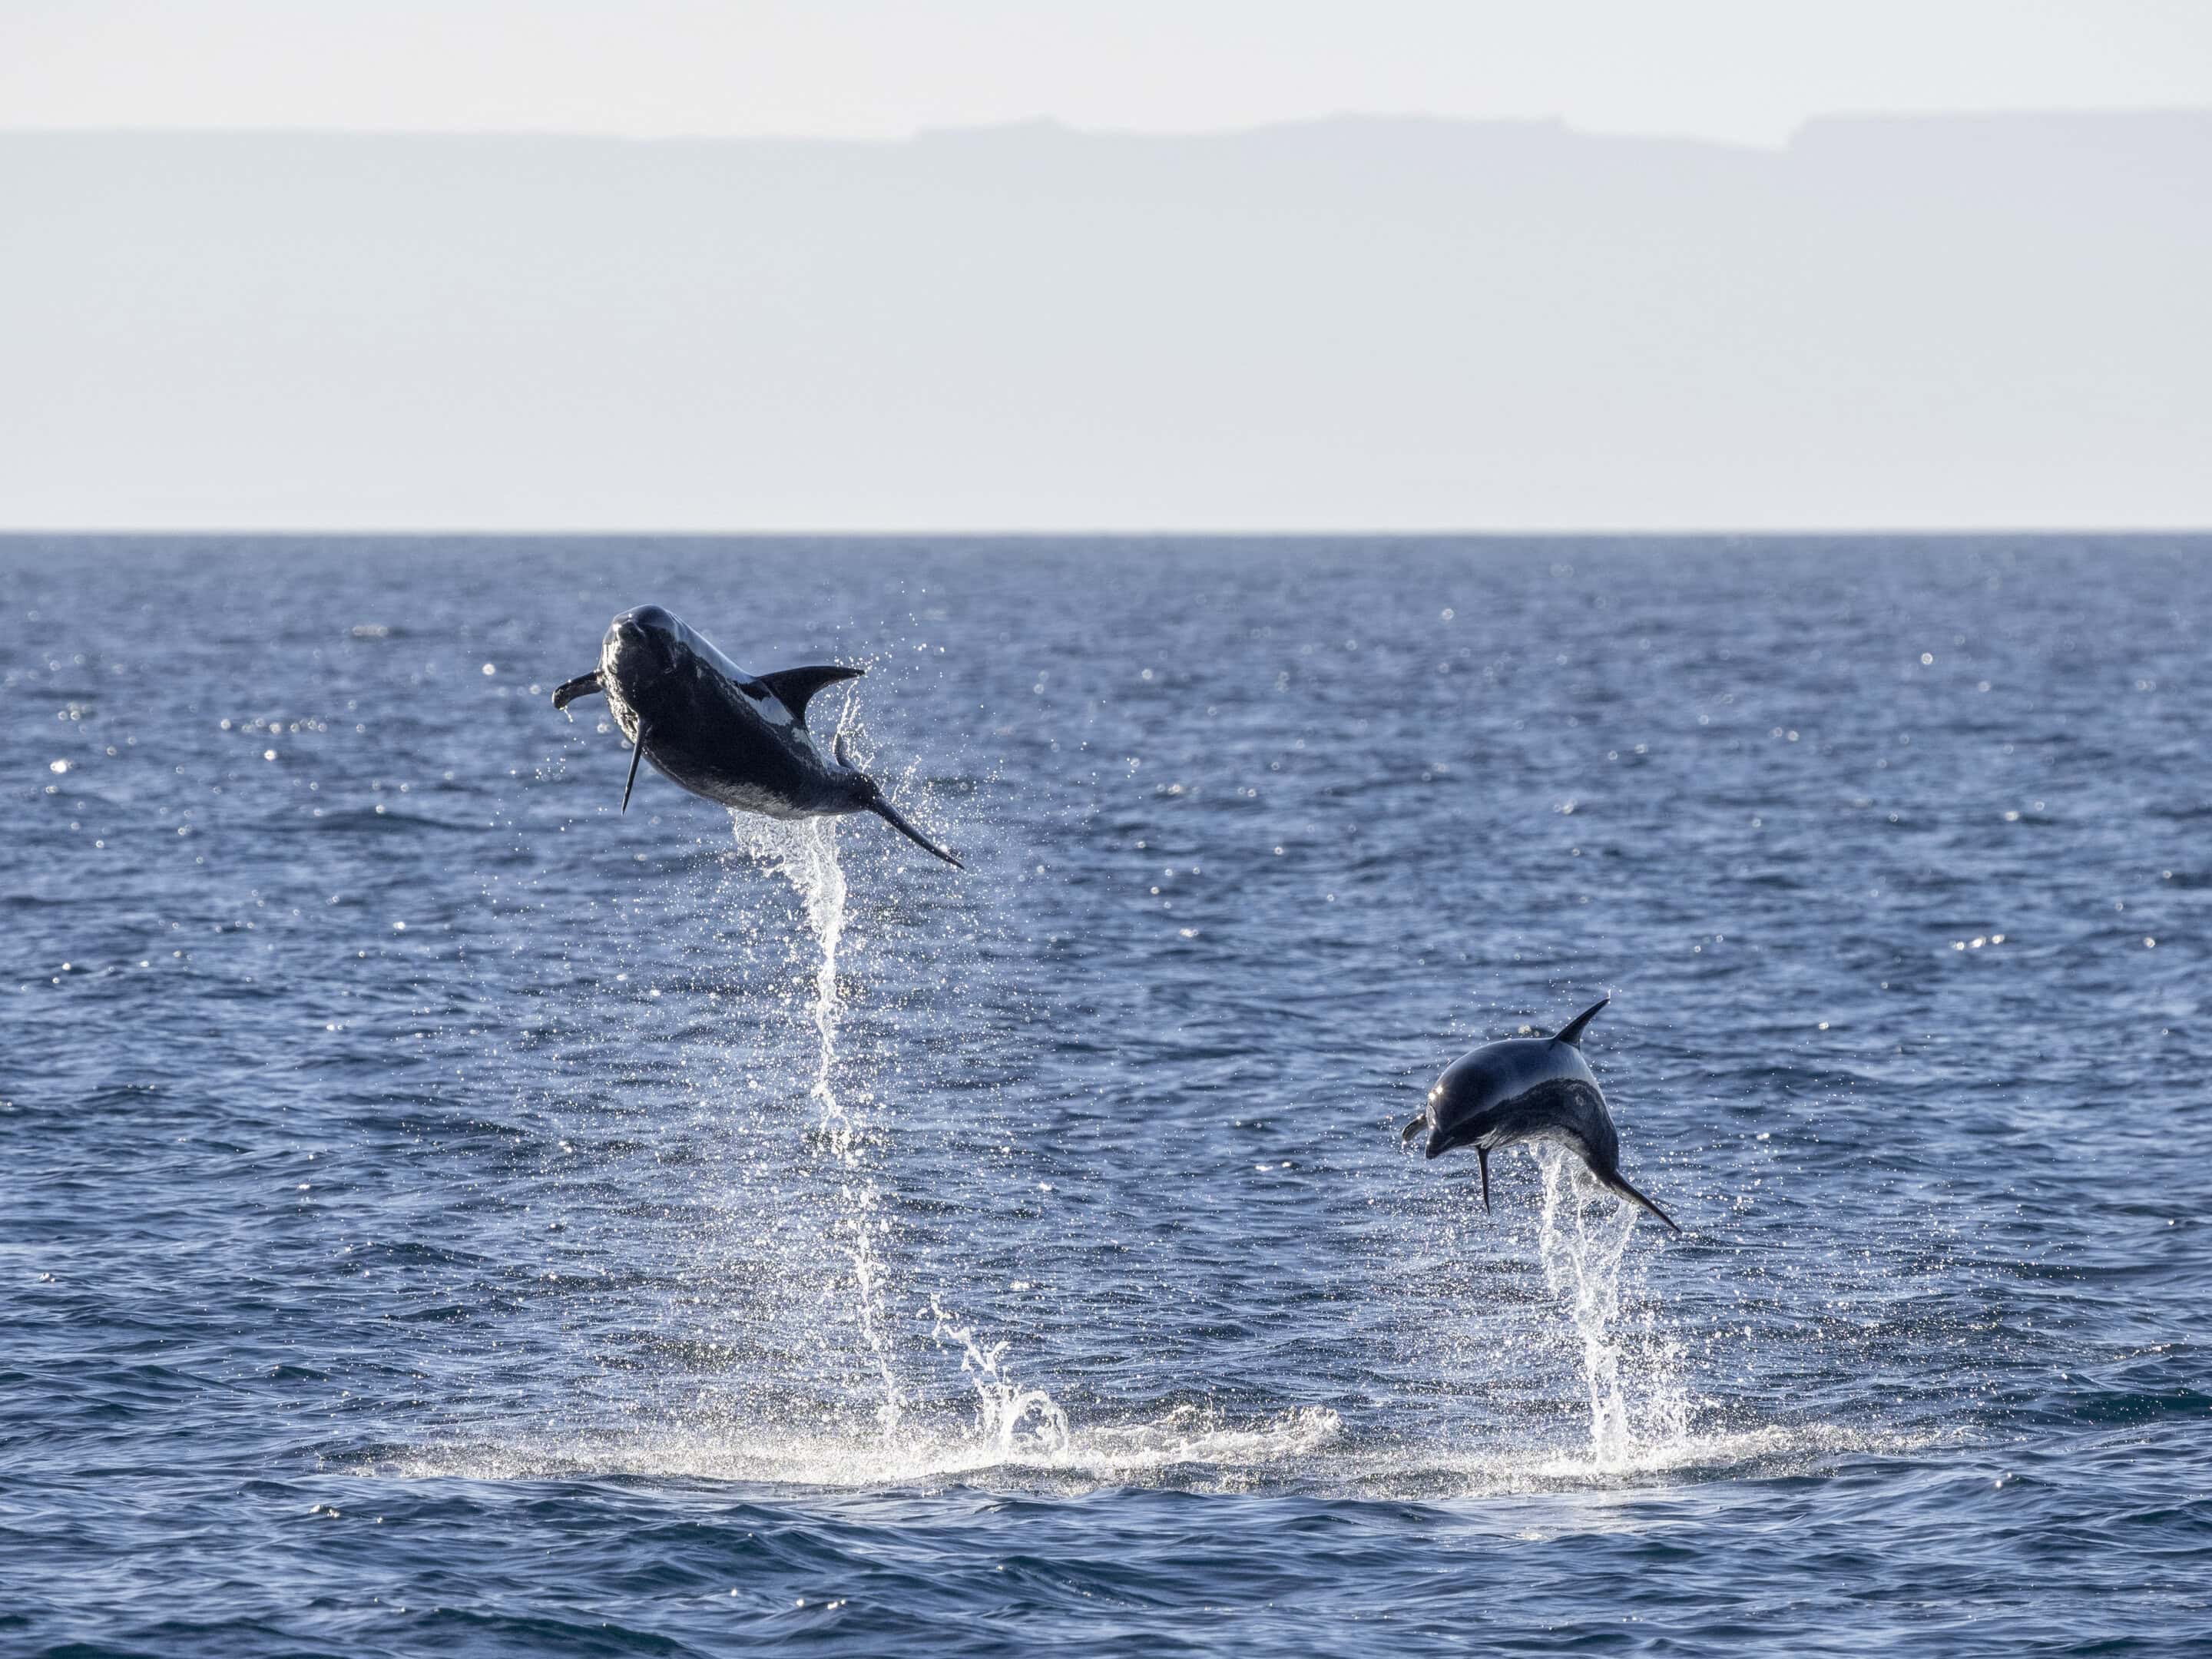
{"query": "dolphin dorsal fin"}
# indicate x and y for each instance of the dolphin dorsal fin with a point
(1571, 1032)
(792, 687)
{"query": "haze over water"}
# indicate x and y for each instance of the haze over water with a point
(445, 1212)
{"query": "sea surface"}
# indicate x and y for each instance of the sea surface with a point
(444, 1213)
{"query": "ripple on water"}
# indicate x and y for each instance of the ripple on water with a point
(670, 1241)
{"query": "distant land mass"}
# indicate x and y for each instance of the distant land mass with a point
(1945, 322)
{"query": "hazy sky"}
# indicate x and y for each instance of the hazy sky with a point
(1491, 320)
(1978, 321)
(1741, 70)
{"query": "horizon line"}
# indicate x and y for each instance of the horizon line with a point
(1859, 533)
(1058, 125)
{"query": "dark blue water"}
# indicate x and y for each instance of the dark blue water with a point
(443, 1213)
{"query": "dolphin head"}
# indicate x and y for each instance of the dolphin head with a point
(642, 645)
(1465, 1102)
(1483, 1080)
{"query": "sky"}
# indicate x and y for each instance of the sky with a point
(1746, 71)
(1132, 266)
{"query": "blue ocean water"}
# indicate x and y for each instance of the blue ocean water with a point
(444, 1213)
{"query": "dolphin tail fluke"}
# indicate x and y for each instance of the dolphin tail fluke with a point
(1571, 1032)
(1482, 1158)
(636, 754)
(1626, 1191)
(583, 685)
(891, 815)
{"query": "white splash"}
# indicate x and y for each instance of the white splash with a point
(1002, 1408)
(1306, 1450)
(806, 852)
(1582, 1242)
(1187, 1447)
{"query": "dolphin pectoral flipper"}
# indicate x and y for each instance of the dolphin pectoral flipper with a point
(1482, 1158)
(636, 754)
(583, 685)
(792, 687)
(1413, 1128)
(884, 810)
(1621, 1186)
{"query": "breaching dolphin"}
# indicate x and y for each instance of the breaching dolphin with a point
(738, 739)
(1527, 1089)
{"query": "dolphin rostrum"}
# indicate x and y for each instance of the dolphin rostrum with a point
(738, 739)
(1527, 1089)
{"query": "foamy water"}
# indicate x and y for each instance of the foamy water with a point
(1308, 1452)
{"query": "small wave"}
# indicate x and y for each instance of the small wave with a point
(376, 821)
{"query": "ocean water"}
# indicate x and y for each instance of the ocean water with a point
(444, 1213)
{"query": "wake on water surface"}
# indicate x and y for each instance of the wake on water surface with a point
(1015, 1433)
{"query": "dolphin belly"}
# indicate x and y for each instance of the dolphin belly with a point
(706, 738)
(1564, 1111)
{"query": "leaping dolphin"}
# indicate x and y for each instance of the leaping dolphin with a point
(736, 738)
(1527, 1089)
